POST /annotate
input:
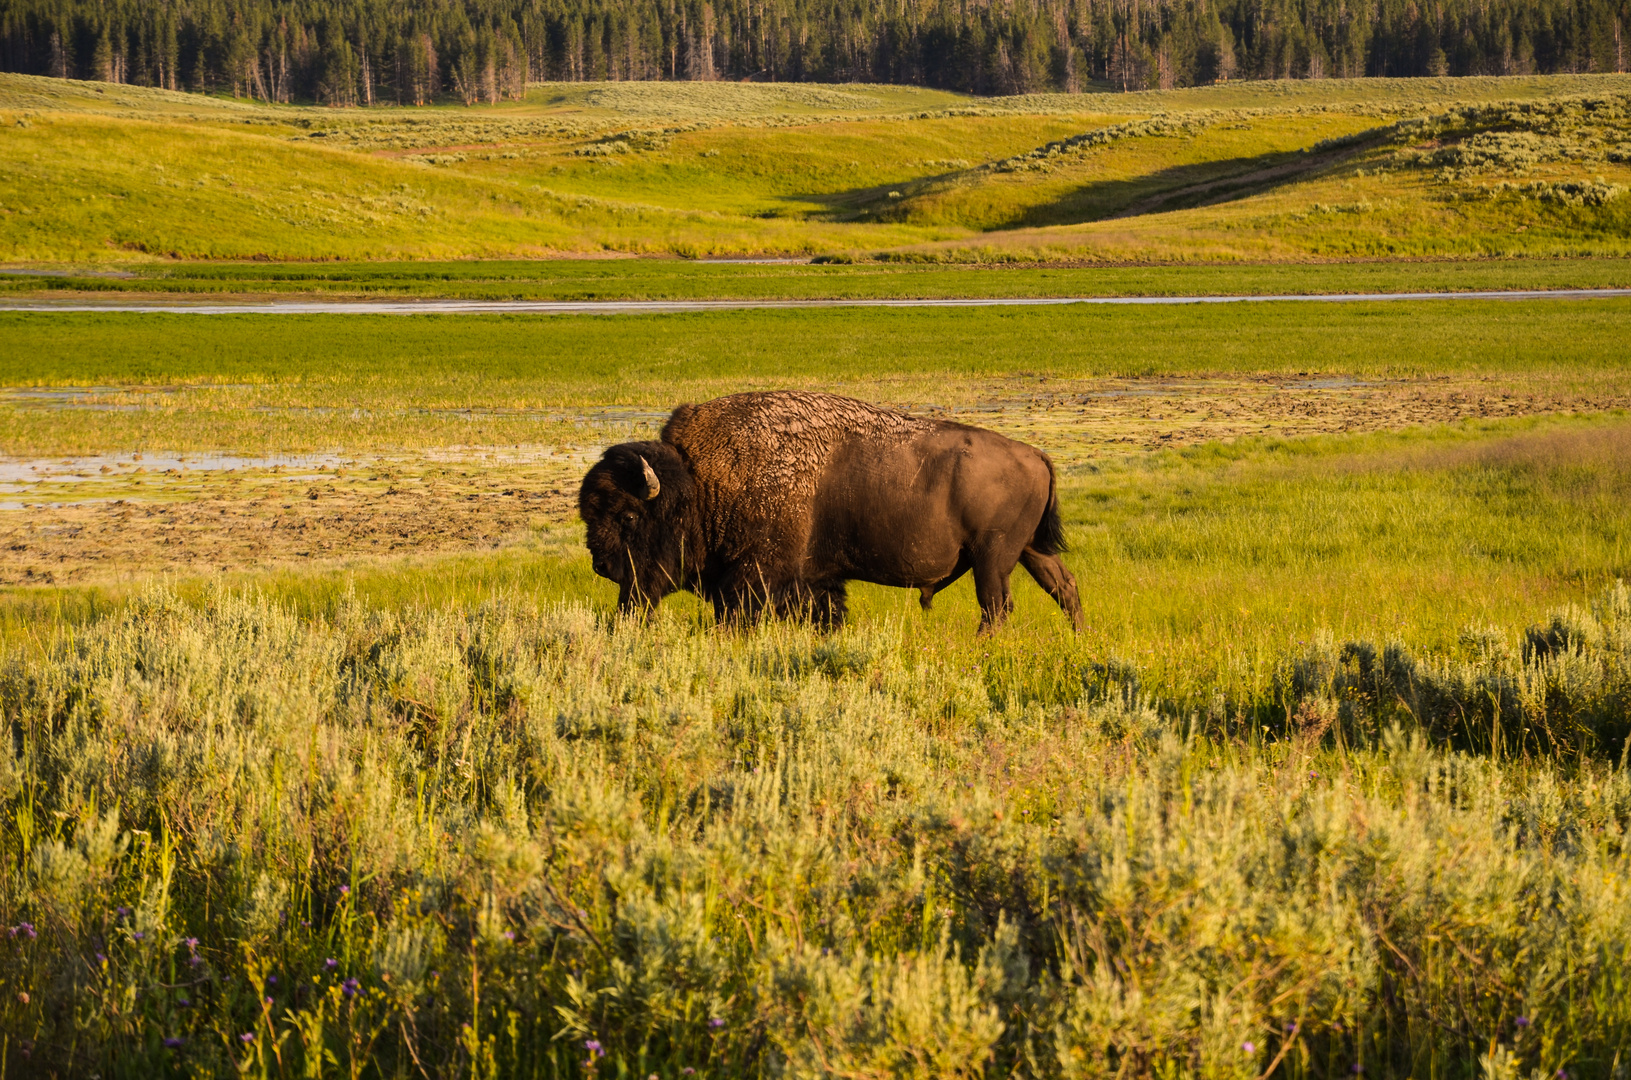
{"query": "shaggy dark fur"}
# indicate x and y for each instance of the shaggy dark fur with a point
(774, 501)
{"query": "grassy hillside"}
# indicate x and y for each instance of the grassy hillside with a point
(95, 174)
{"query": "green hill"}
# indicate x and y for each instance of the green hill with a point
(95, 173)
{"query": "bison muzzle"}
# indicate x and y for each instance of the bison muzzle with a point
(775, 501)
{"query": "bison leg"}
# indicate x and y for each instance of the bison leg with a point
(991, 572)
(1055, 580)
(926, 593)
(828, 605)
(823, 603)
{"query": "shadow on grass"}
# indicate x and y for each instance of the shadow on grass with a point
(1179, 187)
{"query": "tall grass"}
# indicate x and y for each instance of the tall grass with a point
(526, 840)
(453, 818)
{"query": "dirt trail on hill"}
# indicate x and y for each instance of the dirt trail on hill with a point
(381, 510)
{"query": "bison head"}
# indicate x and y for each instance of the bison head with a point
(634, 504)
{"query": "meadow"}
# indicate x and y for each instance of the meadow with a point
(692, 279)
(1333, 783)
(97, 175)
(329, 756)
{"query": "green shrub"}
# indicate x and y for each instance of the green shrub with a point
(1566, 691)
(532, 841)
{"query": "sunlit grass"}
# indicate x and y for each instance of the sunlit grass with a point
(678, 279)
(342, 827)
(101, 174)
(1335, 759)
(1200, 567)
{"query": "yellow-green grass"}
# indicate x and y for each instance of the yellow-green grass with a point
(89, 188)
(526, 839)
(93, 176)
(1203, 568)
(1410, 93)
(725, 103)
(1333, 219)
(1357, 207)
(481, 797)
(534, 360)
(685, 279)
(785, 171)
(1114, 178)
(505, 815)
(380, 385)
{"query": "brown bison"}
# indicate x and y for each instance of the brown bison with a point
(774, 501)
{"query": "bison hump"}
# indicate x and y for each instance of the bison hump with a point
(760, 457)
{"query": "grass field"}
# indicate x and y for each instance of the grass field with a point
(450, 816)
(1369, 169)
(329, 757)
(673, 279)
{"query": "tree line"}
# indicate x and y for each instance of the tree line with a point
(362, 52)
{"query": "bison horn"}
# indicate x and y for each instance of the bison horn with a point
(653, 485)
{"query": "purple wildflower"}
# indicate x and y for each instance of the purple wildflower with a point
(592, 1045)
(345, 890)
(331, 963)
(28, 929)
(194, 961)
(716, 1023)
(1358, 1068)
(247, 1037)
(137, 934)
(174, 1043)
(1249, 1047)
(184, 1003)
(1522, 1021)
(122, 912)
(271, 980)
(350, 987)
(101, 959)
(267, 1002)
(191, 943)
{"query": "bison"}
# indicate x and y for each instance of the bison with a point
(775, 501)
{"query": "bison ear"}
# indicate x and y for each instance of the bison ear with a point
(654, 486)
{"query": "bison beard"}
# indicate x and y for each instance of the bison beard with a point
(774, 501)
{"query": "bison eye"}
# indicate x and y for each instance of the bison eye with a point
(631, 518)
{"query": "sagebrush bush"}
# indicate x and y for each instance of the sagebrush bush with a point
(1566, 690)
(528, 841)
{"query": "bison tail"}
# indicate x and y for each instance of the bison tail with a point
(1050, 531)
